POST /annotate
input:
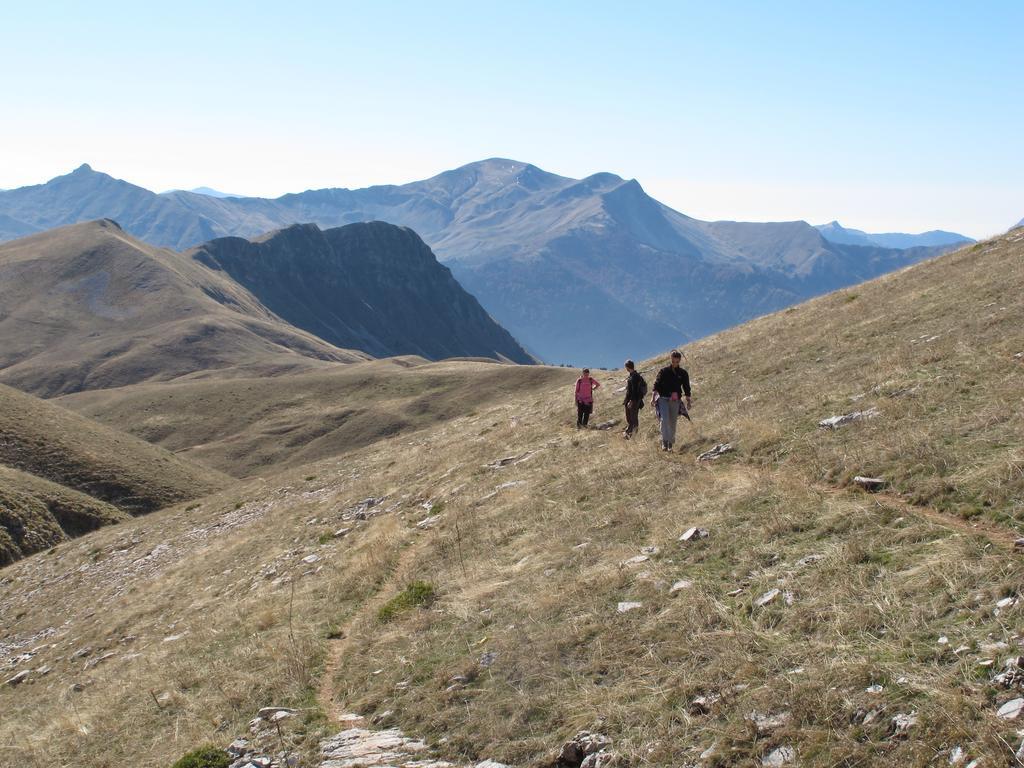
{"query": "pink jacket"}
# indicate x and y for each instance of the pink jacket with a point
(585, 391)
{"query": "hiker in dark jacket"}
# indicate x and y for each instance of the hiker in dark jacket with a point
(671, 386)
(585, 386)
(636, 390)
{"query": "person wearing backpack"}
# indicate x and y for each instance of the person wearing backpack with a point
(671, 386)
(585, 387)
(636, 391)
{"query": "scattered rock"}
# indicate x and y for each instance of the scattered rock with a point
(835, 422)
(310, 559)
(604, 425)
(680, 585)
(584, 745)
(779, 756)
(1018, 545)
(275, 713)
(635, 560)
(957, 756)
(1012, 674)
(342, 532)
(767, 598)
(600, 759)
(487, 659)
(869, 483)
(99, 659)
(876, 688)
(19, 678)
(509, 460)
(806, 560)
(901, 724)
(702, 705)
(627, 606)
(694, 534)
(428, 522)
(719, 450)
(649, 550)
(1011, 710)
(766, 723)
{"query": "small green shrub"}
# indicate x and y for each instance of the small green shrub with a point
(437, 508)
(204, 757)
(190, 507)
(323, 538)
(310, 477)
(415, 594)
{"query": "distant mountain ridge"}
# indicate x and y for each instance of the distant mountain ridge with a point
(579, 270)
(837, 233)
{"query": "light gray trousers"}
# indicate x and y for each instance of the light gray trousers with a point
(669, 412)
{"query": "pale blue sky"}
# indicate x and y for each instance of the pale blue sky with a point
(887, 116)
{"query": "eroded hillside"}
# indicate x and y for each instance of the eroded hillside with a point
(499, 581)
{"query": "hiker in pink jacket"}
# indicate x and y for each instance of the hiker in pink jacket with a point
(585, 387)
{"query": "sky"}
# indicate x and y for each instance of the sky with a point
(886, 116)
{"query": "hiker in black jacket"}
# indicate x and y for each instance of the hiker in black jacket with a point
(671, 386)
(636, 391)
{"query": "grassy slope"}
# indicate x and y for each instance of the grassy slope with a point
(247, 426)
(105, 475)
(512, 577)
(36, 514)
(87, 306)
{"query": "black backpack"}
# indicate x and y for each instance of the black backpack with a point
(643, 389)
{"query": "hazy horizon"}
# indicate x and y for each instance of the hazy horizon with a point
(885, 119)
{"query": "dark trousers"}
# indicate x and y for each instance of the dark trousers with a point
(583, 411)
(632, 417)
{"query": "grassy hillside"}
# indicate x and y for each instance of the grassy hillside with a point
(87, 306)
(894, 613)
(36, 514)
(64, 474)
(247, 426)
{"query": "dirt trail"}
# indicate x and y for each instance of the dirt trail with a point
(994, 532)
(337, 647)
(1000, 535)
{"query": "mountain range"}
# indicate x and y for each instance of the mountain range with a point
(88, 306)
(837, 233)
(583, 271)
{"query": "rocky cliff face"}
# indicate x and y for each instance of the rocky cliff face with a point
(374, 287)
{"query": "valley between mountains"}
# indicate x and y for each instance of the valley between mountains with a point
(424, 562)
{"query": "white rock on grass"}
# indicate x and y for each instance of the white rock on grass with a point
(766, 723)
(635, 560)
(719, 450)
(901, 724)
(694, 534)
(1011, 710)
(428, 522)
(19, 678)
(680, 585)
(869, 483)
(767, 597)
(835, 422)
(627, 606)
(779, 757)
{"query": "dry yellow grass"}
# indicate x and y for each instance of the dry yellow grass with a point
(927, 347)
